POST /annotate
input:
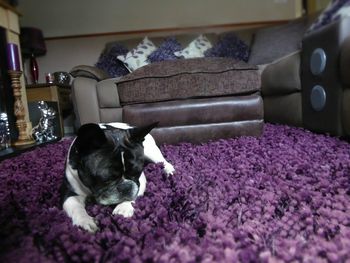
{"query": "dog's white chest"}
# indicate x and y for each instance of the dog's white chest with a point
(73, 178)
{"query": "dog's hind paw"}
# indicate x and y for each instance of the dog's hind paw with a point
(124, 209)
(169, 169)
(87, 223)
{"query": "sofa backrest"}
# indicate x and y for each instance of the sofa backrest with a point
(272, 43)
(184, 39)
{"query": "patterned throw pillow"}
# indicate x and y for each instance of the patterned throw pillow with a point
(195, 49)
(137, 57)
(166, 50)
(334, 11)
(229, 46)
(109, 63)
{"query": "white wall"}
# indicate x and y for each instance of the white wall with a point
(64, 54)
(76, 17)
(83, 17)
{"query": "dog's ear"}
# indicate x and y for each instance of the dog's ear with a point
(138, 134)
(90, 137)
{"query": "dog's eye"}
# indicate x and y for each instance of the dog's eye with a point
(111, 176)
(133, 174)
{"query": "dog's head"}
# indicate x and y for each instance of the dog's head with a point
(110, 165)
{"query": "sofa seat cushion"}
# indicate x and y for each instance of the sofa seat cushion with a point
(199, 120)
(188, 78)
(196, 111)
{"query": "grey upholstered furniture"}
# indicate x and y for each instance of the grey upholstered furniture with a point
(277, 52)
(205, 112)
(311, 87)
(283, 91)
(325, 78)
(194, 100)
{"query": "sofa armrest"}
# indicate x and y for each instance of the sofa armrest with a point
(322, 84)
(95, 101)
(282, 77)
(85, 102)
(345, 61)
(89, 72)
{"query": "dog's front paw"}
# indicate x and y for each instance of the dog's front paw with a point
(169, 169)
(86, 222)
(124, 209)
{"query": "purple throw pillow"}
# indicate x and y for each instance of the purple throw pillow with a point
(165, 51)
(229, 45)
(108, 61)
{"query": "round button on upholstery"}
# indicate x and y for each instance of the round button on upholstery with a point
(318, 61)
(318, 98)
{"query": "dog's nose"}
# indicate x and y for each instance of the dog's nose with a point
(128, 189)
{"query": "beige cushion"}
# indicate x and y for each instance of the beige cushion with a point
(107, 93)
(188, 78)
(195, 49)
(137, 57)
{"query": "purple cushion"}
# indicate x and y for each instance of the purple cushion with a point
(165, 51)
(108, 61)
(229, 45)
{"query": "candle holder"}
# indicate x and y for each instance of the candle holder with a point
(23, 138)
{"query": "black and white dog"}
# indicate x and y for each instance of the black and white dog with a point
(105, 165)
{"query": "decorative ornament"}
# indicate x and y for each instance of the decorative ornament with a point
(5, 136)
(44, 130)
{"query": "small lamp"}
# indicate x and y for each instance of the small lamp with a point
(32, 45)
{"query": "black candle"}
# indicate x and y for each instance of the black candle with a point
(13, 57)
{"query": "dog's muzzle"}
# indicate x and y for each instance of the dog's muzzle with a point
(126, 190)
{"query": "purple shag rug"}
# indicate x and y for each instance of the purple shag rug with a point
(282, 197)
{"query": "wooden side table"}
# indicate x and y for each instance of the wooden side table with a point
(52, 92)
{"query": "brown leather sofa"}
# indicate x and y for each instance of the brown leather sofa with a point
(283, 57)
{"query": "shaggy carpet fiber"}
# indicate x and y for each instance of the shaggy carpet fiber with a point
(283, 197)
